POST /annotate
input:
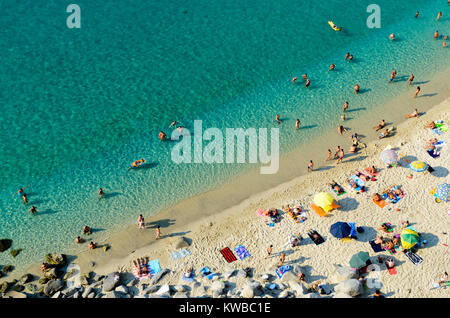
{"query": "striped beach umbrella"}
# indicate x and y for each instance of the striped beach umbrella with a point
(340, 229)
(418, 166)
(359, 260)
(443, 192)
(389, 156)
(409, 237)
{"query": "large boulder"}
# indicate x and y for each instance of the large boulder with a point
(4, 287)
(5, 244)
(252, 289)
(288, 277)
(342, 273)
(155, 279)
(50, 273)
(56, 259)
(26, 278)
(53, 286)
(351, 287)
(111, 281)
(218, 287)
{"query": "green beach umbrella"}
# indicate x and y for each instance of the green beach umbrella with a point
(409, 237)
(359, 260)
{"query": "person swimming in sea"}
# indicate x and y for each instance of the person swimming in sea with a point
(417, 14)
(332, 67)
(294, 79)
(308, 82)
(347, 55)
(392, 36)
(357, 89)
(33, 210)
(137, 163)
(100, 193)
(436, 35)
(162, 135)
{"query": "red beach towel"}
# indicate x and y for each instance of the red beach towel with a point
(228, 254)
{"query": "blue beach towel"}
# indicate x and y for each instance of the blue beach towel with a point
(206, 271)
(353, 232)
(282, 269)
(241, 251)
(437, 131)
(376, 247)
(154, 267)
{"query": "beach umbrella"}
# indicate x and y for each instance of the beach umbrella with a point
(443, 192)
(359, 260)
(340, 229)
(409, 237)
(418, 166)
(323, 199)
(389, 156)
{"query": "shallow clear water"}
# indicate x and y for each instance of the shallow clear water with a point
(78, 105)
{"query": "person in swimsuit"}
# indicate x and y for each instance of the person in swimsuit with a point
(141, 222)
(436, 35)
(137, 163)
(79, 240)
(162, 135)
(332, 67)
(282, 257)
(350, 57)
(92, 245)
(410, 79)
(384, 134)
(33, 210)
(392, 36)
(431, 125)
(305, 77)
(380, 126)
(345, 107)
(336, 187)
(158, 232)
(329, 155)
(341, 129)
(100, 193)
(338, 150)
(415, 113)
(416, 92)
(294, 79)
(87, 230)
(269, 251)
(439, 16)
(417, 14)
(341, 156)
(347, 55)
(297, 124)
(357, 89)
(310, 166)
(277, 119)
(308, 82)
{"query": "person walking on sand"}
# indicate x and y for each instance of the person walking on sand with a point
(357, 89)
(345, 107)
(277, 119)
(341, 156)
(141, 222)
(336, 154)
(158, 232)
(33, 210)
(282, 257)
(269, 252)
(341, 129)
(329, 155)
(417, 92)
(310, 166)
(411, 79)
(297, 124)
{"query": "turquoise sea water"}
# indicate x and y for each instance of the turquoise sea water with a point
(79, 105)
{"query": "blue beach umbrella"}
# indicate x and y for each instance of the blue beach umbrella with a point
(340, 229)
(443, 192)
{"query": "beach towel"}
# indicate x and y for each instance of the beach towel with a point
(188, 279)
(319, 240)
(390, 229)
(437, 131)
(338, 194)
(414, 258)
(392, 270)
(154, 267)
(241, 251)
(380, 203)
(206, 272)
(433, 154)
(282, 269)
(403, 160)
(228, 255)
(261, 212)
(180, 254)
(441, 126)
(143, 276)
(376, 247)
(360, 182)
(318, 210)
(353, 232)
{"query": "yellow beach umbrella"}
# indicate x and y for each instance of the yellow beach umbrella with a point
(324, 200)
(409, 237)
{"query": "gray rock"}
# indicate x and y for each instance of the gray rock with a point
(84, 281)
(351, 287)
(76, 294)
(180, 295)
(218, 287)
(155, 279)
(252, 289)
(298, 288)
(57, 294)
(91, 295)
(229, 273)
(179, 288)
(26, 278)
(112, 294)
(50, 273)
(53, 286)
(111, 281)
(165, 289)
(70, 292)
(87, 291)
(341, 274)
(288, 277)
(241, 273)
(132, 282)
(340, 295)
(150, 289)
(122, 289)
(31, 288)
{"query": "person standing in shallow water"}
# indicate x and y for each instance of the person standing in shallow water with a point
(100, 193)
(411, 79)
(158, 232)
(33, 210)
(297, 124)
(417, 92)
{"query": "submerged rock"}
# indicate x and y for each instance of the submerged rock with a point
(5, 244)
(56, 259)
(8, 268)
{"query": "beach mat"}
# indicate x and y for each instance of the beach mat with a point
(317, 241)
(414, 258)
(380, 203)
(154, 267)
(206, 272)
(376, 247)
(228, 255)
(338, 194)
(318, 210)
(241, 251)
(142, 276)
(282, 269)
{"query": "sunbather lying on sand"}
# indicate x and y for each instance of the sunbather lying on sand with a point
(384, 228)
(371, 170)
(362, 176)
(376, 197)
(431, 125)
(188, 272)
(396, 190)
(336, 187)
(415, 113)
(139, 266)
